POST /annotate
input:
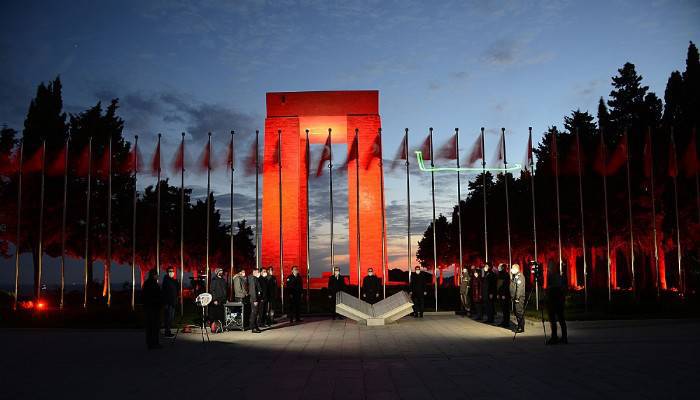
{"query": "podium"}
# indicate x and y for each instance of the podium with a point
(384, 312)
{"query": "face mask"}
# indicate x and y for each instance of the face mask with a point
(171, 274)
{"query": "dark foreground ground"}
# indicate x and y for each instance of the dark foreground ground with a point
(438, 357)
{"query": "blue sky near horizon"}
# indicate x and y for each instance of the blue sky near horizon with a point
(206, 66)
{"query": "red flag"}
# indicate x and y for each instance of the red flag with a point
(570, 163)
(619, 157)
(9, 163)
(83, 164)
(528, 155)
(58, 165)
(499, 157)
(690, 158)
(648, 157)
(425, 149)
(205, 159)
(103, 168)
(35, 162)
(672, 162)
(251, 160)
(178, 164)
(448, 150)
(352, 153)
(402, 151)
(155, 162)
(325, 156)
(476, 153)
(601, 157)
(375, 151)
(277, 154)
(132, 161)
(230, 159)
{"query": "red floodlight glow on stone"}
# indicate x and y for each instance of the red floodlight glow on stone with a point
(293, 113)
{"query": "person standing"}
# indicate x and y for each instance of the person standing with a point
(503, 293)
(418, 292)
(152, 301)
(295, 287)
(170, 289)
(239, 287)
(218, 299)
(264, 298)
(556, 297)
(489, 289)
(464, 286)
(336, 284)
(370, 287)
(255, 293)
(272, 295)
(477, 294)
(517, 293)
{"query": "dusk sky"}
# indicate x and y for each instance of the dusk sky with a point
(206, 66)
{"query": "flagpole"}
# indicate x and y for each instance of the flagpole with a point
(534, 215)
(206, 240)
(681, 281)
(109, 225)
(583, 225)
(357, 211)
(432, 185)
(653, 213)
(182, 223)
(556, 184)
(629, 209)
(308, 262)
(41, 222)
(233, 167)
(605, 204)
(19, 220)
(381, 183)
(257, 200)
(483, 175)
(63, 223)
(505, 176)
(459, 202)
(135, 160)
(279, 188)
(408, 209)
(330, 196)
(87, 224)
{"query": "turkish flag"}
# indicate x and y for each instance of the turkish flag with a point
(251, 161)
(528, 163)
(178, 164)
(352, 153)
(375, 151)
(155, 161)
(619, 157)
(690, 158)
(83, 164)
(132, 162)
(230, 157)
(103, 168)
(35, 163)
(672, 162)
(58, 165)
(448, 150)
(477, 151)
(325, 156)
(425, 148)
(9, 163)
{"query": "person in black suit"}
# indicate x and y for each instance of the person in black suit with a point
(219, 292)
(418, 292)
(489, 290)
(295, 286)
(271, 296)
(336, 284)
(170, 290)
(503, 294)
(152, 301)
(255, 293)
(264, 299)
(370, 287)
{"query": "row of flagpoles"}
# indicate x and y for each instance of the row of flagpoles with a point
(449, 151)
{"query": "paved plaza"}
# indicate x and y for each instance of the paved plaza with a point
(438, 357)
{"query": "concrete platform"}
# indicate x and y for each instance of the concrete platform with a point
(437, 357)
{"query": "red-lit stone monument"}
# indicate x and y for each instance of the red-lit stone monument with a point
(292, 113)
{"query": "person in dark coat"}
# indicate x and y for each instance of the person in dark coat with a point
(418, 292)
(218, 291)
(477, 294)
(295, 287)
(489, 290)
(464, 287)
(503, 294)
(336, 284)
(271, 295)
(517, 293)
(264, 298)
(556, 297)
(152, 301)
(255, 293)
(170, 291)
(370, 287)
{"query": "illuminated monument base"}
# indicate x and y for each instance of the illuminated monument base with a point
(386, 311)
